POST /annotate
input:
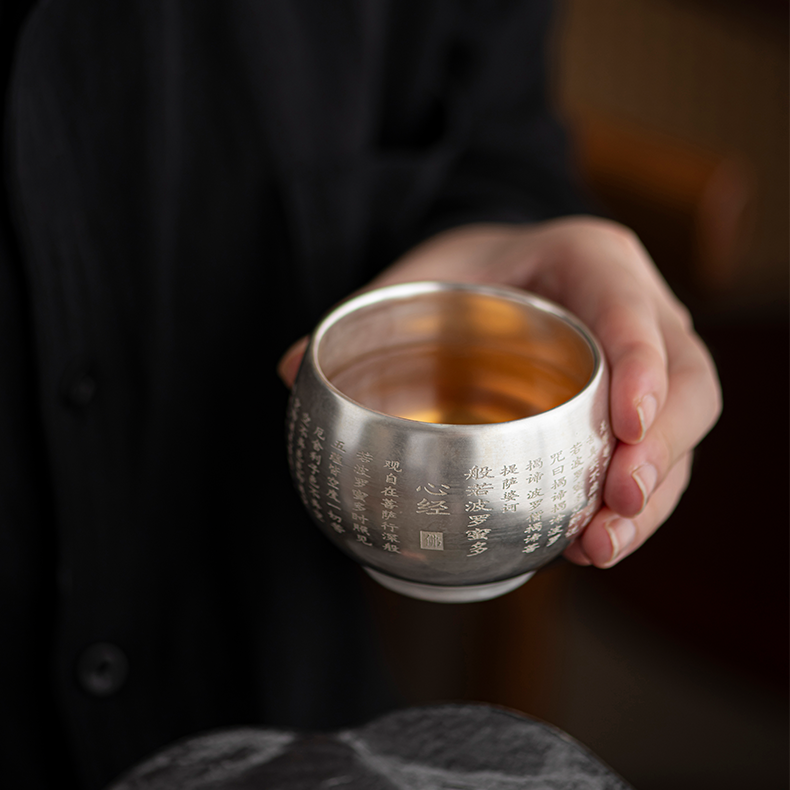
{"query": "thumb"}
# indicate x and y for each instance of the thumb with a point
(288, 366)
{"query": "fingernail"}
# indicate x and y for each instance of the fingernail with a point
(622, 532)
(646, 411)
(645, 476)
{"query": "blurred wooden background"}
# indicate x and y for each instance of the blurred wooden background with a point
(673, 666)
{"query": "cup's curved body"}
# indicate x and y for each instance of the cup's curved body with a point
(451, 438)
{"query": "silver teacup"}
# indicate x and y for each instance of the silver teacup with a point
(451, 438)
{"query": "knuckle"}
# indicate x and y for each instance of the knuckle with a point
(718, 402)
(683, 316)
(664, 450)
(608, 232)
(620, 234)
(624, 236)
(628, 324)
(681, 473)
(711, 384)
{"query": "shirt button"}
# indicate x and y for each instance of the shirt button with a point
(102, 669)
(78, 385)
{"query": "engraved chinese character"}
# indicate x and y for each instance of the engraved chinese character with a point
(337, 521)
(531, 529)
(477, 534)
(479, 489)
(478, 506)
(475, 521)
(433, 490)
(434, 507)
(477, 548)
(479, 473)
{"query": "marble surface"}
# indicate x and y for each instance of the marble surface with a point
(445, 747)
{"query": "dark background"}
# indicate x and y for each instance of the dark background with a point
(672, 666)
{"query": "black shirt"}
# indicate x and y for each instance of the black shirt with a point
(189, 185)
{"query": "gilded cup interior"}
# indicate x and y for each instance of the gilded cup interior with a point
(455, 355)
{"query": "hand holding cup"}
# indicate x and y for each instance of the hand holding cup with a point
(664, 390)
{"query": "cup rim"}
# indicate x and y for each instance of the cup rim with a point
(373, 296)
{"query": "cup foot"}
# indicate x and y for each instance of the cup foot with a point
(437, 594)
